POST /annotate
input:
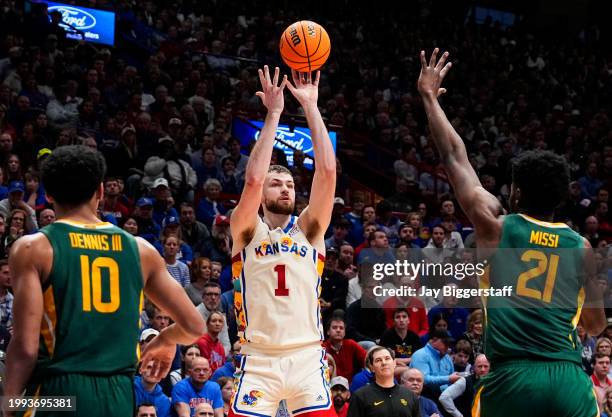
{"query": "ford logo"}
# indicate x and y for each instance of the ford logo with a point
(74, 17)
(298, 139)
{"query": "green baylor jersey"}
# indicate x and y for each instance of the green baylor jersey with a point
(92, 301)
(543, 262)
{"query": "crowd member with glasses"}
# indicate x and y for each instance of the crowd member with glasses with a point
(211, 301)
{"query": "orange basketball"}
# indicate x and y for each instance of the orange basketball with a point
(305, 46)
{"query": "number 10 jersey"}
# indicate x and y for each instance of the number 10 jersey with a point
(277, 277)
(92, 300)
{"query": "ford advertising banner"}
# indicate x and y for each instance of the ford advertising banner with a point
(97, 26)
(298, 138)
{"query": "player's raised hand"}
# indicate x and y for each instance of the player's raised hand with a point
(306, 90)
(272, 93)
(432, 74)
(159, 354)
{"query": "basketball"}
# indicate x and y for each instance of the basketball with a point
(305, 46)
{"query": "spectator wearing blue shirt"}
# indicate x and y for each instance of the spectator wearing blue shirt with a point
(435, 363)
(361, 378)
(188, 393)
(210, 206)
(171, 227)
(229, 367)
(179, 270)
(589, 182)
(147, 390)
(355, 236)
(378, 251)
(35, 194)
(3, 189)
(456, 317)
(147, 228)
(413, 379)
(162, 209)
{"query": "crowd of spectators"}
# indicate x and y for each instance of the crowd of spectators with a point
(160, 106)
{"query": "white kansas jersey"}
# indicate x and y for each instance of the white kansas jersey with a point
(277, 300)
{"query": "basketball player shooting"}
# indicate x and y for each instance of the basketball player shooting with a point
(530, 339)
(278, 260)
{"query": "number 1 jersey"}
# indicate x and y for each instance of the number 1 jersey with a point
(277, 280)
(92, 300)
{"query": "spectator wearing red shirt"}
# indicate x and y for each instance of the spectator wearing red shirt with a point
(601, 382)
(111, 204)
(209, 344)
(347, 353)
(368, 228)
(341, 395)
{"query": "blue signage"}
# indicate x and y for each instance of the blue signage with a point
(287, 139)
(94, 25)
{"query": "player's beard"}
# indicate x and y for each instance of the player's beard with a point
(277, 208)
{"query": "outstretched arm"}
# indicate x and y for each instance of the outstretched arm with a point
(315, 218)
(481, 207)
(244, 216)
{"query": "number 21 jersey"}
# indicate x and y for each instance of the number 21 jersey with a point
(277, 299)
(543, 262)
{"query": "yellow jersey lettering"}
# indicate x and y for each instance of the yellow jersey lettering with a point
(87, 241)
(544, 239)
(103, 242)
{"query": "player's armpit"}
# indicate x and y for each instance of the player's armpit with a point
(482, 209)
(28, 261)
(167, 294)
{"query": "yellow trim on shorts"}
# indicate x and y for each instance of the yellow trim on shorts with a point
(476, 403)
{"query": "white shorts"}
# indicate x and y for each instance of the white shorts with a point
(301, 379)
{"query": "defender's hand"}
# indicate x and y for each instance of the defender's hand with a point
(432, 74)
